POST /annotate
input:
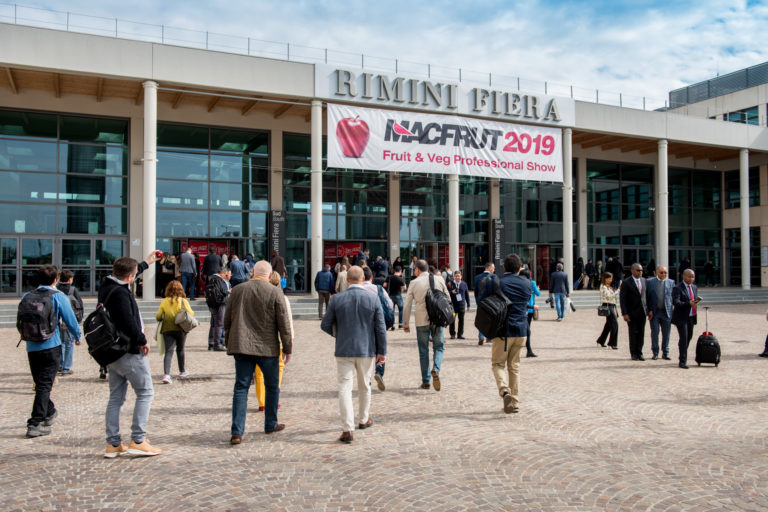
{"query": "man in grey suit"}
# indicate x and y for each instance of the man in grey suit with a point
(659, 299)
(356, 319)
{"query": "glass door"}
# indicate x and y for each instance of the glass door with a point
(9, 266)
(34, 253)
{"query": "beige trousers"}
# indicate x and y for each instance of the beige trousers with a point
(508, 362)
(346, 368)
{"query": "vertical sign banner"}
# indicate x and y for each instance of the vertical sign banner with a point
(390, 140)
(498, 245)
(277, 232)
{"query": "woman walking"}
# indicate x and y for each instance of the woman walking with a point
(532, 307)
(174, 302)
(257, 375)
(608, 298)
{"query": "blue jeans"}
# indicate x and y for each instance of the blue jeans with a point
(397, 300)
(438, 348)
(133, 369)
(67, 350)
(188, 283)
(660, 319)
(244, 368)
(560, 304)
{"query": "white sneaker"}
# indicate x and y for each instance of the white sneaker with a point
(183, 374)
(167, 379)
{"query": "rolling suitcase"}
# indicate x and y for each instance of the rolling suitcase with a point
(707, 346)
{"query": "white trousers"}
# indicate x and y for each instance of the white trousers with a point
(346, 368)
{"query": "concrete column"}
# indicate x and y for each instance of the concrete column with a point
(316, 208)
(662, 206)
(744, 215)
(393, 219)
(568, 203)
(582, 222)
(453, 221)
(148, 237)
(276, 170)
(494, 198)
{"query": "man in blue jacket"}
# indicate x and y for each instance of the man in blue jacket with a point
(44, 356)
(488, 272)
(560, 289)
(505, 354)
(325, 286)
(355, 318)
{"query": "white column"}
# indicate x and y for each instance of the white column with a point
(316, 208)
(148, 237)
(568, 204)
(744, 215)
(453, 221)
(393, 219)
(662, 206)
(582, 222)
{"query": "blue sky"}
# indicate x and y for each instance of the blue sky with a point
(641, 48)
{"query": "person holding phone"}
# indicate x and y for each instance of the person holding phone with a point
(685, 298)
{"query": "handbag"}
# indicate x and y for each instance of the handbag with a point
(185, 320)
(160, 339)
(603, 310)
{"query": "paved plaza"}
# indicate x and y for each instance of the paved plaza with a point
(595, 431)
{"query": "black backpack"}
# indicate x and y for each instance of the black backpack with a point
(36, 318)
(493, 312)
(214, 295)
(439, 307)
(77, 306)
(106, 343)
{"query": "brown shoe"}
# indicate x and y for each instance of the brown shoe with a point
(425, 385)
(346, 437)
(436, 380)
(278, 428)
(363, 426)
(236, 439)
(508, 406)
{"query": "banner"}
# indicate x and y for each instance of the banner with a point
(276, 232)
(390, 140)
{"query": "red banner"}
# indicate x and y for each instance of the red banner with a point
(332, 251)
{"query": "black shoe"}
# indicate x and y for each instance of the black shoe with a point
(666, 357)
(37, 430)
(655, 357)
(218, 348)
(640, 358)
(460, 337)
(480, 341)
(634, 358)
(683, 366)
(764, 354)
(453, 337)
(193, 298)
(47, 422)
(531, 354)
(599, 343)
(614, 347)
(102, 373)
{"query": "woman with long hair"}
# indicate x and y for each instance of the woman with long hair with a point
(258, 377)
(174, 337)
(608, 297)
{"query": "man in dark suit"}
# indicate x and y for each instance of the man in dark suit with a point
(684, 300)
(212, 264)
(634, 310)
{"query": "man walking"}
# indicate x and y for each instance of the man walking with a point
(42, 335)
(417, 292)
(278, 263)
(361, 343)
(395, 286)
(188, 269)
(488, 272)
(324, 285)
(659, 300)
(133, 367)
(559, 289)
(634, 310)
(216, 294)
(460, 300)
(239, 271)
(685, 298)
(211, 264)
(255, 315)
(505, 352)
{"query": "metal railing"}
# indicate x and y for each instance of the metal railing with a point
(139, 31)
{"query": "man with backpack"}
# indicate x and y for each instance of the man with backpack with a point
(68, 340)
(40, 312)
(216, 293)
(505, 354)
(421, 286)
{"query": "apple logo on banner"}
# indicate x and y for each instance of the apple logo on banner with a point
(353, 134)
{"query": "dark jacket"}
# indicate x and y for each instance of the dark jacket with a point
(64, 288)
(255, 314)
(487, 288)
(558, 282)
(324, 281)
(211, 264)
(631, 300)
(124, 311)
(681, 303)
(278, 265)
(454, 291)
(518, 290)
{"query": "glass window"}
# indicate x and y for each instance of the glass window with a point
(179, 136)
(706, 190)
(36, 251)
(297, 226)
(732, 188)
(259, 198)
(230, 168)
(107, 251)
(297, 146)
(182, 166)
(82, 159)
(181, 223)
(182, 194)
(28, 124)
(258, 225)
(27, 187)
(93, 189)
(8, 279)
(26, 155)
(228, 196)
(259, 170)
(94, 129)
(239, 141)
(8, 251)
(296, 199)
(228, 224)
(76, 252)
(745, 116)
(25, 218)
(93, 220)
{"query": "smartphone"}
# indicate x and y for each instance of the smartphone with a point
(697, 300)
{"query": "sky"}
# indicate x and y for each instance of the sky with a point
(636, 48)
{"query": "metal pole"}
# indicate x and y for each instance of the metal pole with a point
(249, 46)
(362, 60)
(326, 55)
(14, 14)
(489, 80)
(206, 39)
(643, 102)
(459, 74)
(429, 70)
(67, 21)
(545, 87)
(162, 33)
(571, 91)
(518, 83)
(396, 66)
(620, 100)
(288, 50)
(115, 27)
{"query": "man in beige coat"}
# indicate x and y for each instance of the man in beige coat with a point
(255, 314)
(417, 292)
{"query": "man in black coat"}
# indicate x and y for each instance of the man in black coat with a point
(684, 300)
(212, 264)
(634, 310)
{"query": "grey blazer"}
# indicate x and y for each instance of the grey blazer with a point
(653, 306)
(359, 321)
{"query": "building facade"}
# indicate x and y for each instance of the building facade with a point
(112, 147)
